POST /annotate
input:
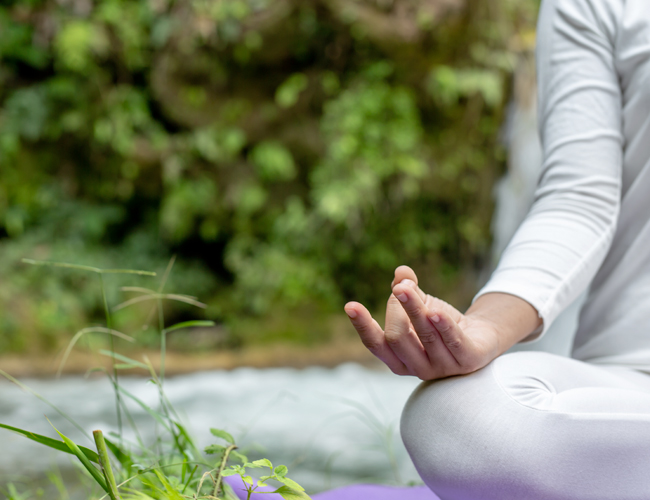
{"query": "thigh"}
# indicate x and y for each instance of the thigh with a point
(532, 425)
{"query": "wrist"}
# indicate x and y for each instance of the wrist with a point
(510, 317)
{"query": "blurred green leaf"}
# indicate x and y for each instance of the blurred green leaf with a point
(273, 161)
(214, 449)
(288, 93)
(291, 494)
(223, 435)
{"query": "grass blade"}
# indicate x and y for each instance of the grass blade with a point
(189, 324)
(125, 359)
(52, 443)
(105, 463)
(81, 333)
(137, 289)
(87, 268)
(188, 439)
(128, 271)
(122, 457)
(172, 494)
(94, 472)
(157, 296)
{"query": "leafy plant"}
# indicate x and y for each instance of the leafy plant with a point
(290, 490)
(169, 471)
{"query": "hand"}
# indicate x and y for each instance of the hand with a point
(424, 336)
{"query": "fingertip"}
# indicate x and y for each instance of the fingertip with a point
(350, 310)
(403, 271)
(352, 314)
(400, 292)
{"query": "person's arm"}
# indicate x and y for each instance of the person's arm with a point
(561, 244)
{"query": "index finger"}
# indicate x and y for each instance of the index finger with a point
(372, 336)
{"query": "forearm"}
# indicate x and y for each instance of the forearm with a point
(513, 318)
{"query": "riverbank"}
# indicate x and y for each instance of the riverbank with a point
(329, 354)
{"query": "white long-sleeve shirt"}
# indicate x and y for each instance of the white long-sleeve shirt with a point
(590, 223)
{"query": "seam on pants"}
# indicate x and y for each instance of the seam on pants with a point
(633, 416)
(493, 369)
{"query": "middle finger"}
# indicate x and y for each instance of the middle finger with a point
(403, 340)
(415, 309)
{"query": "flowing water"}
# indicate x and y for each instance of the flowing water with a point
(329, 426)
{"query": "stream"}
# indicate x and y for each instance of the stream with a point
(329, 426)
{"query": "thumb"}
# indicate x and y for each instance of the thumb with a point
(404, 273)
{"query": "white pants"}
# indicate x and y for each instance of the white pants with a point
(533, 426)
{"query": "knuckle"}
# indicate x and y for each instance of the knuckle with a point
(454, 343)
(371, 343)
(361, 327)
(412, 309)
(392, 337)
(393, 334)
(428, 338)
(443, 327)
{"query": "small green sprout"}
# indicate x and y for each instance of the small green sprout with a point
(290, 490)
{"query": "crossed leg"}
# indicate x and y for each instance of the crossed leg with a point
(533, 426)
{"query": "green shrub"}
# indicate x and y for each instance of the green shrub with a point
(292, 152)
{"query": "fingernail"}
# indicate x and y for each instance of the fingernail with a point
(435, 318)
(352, 313)
(402, 297)
(408, 282)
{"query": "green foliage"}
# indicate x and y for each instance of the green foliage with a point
(290, 490)
(292, 152)
(288, 93)
(449, 85)
(161, 472)
(273, 161)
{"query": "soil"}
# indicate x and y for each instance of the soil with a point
(79, 362)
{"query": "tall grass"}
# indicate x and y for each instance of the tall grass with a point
(175, 469)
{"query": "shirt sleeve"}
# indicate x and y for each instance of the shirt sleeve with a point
(564, 239)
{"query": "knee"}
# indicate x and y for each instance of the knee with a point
(458, 430)
(444, 424)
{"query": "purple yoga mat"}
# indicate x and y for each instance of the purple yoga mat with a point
(354, 492)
